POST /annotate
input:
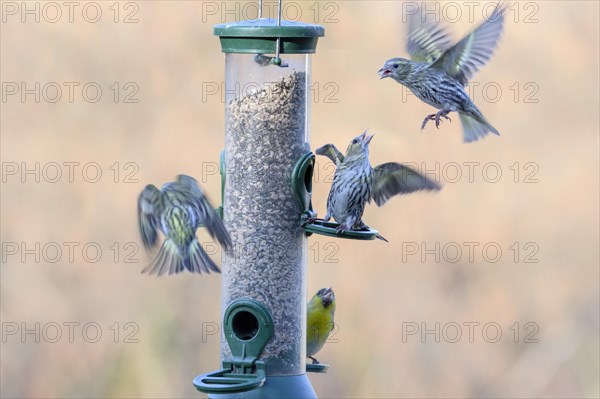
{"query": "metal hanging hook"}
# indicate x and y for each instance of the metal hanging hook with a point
(262, 59)
(277, 59)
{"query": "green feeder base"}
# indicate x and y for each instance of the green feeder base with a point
(292, 387)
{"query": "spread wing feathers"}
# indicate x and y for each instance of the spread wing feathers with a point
(205, 210)
(148, 215)
(466, 57)
(427, 41)
(331, 152)
(393, 178)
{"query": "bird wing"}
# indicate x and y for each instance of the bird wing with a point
(427, 41)
(393, 178)
(331, 152)
(148, 209)
(462, 60)
(206, 212)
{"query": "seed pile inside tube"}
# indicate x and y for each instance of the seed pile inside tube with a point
(265, 138)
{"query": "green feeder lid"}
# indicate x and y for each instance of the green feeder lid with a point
(259, 36)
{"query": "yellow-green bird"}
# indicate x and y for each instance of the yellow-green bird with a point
(319, 321)
(178, 209)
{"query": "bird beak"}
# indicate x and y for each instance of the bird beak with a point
(384, 73)
(328, 296)
(366, 138)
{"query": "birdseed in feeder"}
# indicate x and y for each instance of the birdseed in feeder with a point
(266, 136)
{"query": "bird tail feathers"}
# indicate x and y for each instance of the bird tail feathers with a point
(170, 260)
(382, 238)
(199, 261)
(474, 129)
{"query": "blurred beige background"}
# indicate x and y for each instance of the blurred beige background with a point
(546, 67)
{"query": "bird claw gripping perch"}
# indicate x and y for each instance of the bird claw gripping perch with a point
(308, 217)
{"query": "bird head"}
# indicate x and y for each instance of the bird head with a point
(326, 296)
(359, 146)
(396, 68)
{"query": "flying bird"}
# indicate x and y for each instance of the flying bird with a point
(438, 72)
(355, 183)
(178, 209)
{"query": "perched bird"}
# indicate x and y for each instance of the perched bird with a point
(355, 182)
(178, 209)
(319, 321)
(437, 72)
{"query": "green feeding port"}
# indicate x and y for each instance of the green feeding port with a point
(302, 185)
(248, 327)
(245, 325)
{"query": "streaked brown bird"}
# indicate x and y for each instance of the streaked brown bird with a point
(355, 183)
(178, 209)
(437, 72)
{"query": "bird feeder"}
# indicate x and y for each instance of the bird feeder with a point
(267, 80)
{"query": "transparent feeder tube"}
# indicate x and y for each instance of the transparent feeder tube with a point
(266, 134)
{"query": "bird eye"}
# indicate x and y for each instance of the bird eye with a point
(395, 66)
(354, 141)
